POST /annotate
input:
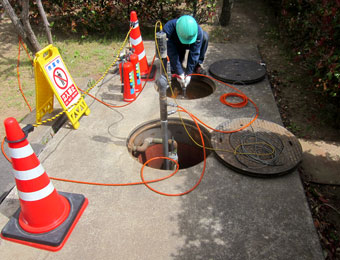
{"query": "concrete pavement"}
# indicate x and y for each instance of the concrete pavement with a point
(228, 216)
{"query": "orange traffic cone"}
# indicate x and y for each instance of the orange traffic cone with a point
(45, 218)
(148, 73)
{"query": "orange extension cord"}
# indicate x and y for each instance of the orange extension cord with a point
(243, 103)
(146, 183)
(129, 103)
(240, 94)
(18, 72)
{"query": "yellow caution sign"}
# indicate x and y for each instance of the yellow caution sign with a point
(53, 78)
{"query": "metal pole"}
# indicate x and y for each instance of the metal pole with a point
(162, 85)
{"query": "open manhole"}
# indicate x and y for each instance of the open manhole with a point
(199, 87)
(144, 143)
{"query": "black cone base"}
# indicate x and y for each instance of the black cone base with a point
(151, 76)
(53, 240)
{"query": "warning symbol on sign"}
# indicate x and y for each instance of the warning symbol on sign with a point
(60, 78)
(50, 70)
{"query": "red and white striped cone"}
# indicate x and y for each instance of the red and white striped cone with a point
(148, 73)
(42, 209)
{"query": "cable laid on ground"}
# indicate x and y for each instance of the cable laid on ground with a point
(89, 89)
(243, 103)
(23, 45)
(201, 176)
(18, 74)
(146, 183)
(129, 103)
(112, 184)
(195, 119)
(240, 93)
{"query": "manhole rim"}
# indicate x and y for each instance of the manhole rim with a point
(210, 82)
(155, 123)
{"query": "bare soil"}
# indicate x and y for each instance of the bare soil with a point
(299, 104)
(11, 101)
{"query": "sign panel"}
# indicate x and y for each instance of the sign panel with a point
(53, 78)
(62, 82)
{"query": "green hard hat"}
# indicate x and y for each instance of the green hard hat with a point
(186, 28)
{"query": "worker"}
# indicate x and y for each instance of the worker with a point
(185, 34)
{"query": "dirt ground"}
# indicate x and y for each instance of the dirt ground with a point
(253, 22)
(11, 101)
(299, 106)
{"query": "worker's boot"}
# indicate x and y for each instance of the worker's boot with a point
(199, 70)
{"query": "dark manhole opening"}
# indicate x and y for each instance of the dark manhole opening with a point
(199, 87)
(189, 154)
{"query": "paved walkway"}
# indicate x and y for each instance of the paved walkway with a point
(229, 215)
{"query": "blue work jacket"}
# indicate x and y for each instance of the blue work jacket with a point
(175, 46)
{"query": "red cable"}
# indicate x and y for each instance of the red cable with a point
(203, 170)
(142, 171)
(23, 45)
(18, 76)
(242, 95)
(125, 184)
(110, 184)
(243, 103)
(3, 151)
(108, 105)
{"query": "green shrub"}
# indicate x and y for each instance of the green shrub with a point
(104, 17)
(312, 28)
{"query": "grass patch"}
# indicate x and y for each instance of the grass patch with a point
(84, 57)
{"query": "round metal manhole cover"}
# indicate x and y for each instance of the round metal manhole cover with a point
(264, 149)
(237, 71)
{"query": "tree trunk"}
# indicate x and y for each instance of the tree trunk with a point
(16, 22)
(25, 20)
(22, 27)
(194, 8)
(226, 12)
(45, 21)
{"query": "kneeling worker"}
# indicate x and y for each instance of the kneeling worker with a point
(185, 34)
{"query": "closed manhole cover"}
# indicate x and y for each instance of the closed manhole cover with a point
(263, 149)
(237, 71)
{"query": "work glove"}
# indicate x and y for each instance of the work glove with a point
(181, 80)
(187, 81)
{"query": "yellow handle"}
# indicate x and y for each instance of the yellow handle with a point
(46, 53)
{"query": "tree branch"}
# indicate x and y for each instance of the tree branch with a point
(27, 26)
(14, 18)
(45, 21)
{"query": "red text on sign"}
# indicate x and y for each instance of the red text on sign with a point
(69, 95)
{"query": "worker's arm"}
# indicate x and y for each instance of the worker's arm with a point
(174, 57)
(170, 30)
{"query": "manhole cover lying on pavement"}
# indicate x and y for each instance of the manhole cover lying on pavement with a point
(237, 71)
(264, 149)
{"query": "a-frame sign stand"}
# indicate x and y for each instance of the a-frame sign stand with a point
(53, 78)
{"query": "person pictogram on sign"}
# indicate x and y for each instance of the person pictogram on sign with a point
(60, 78)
